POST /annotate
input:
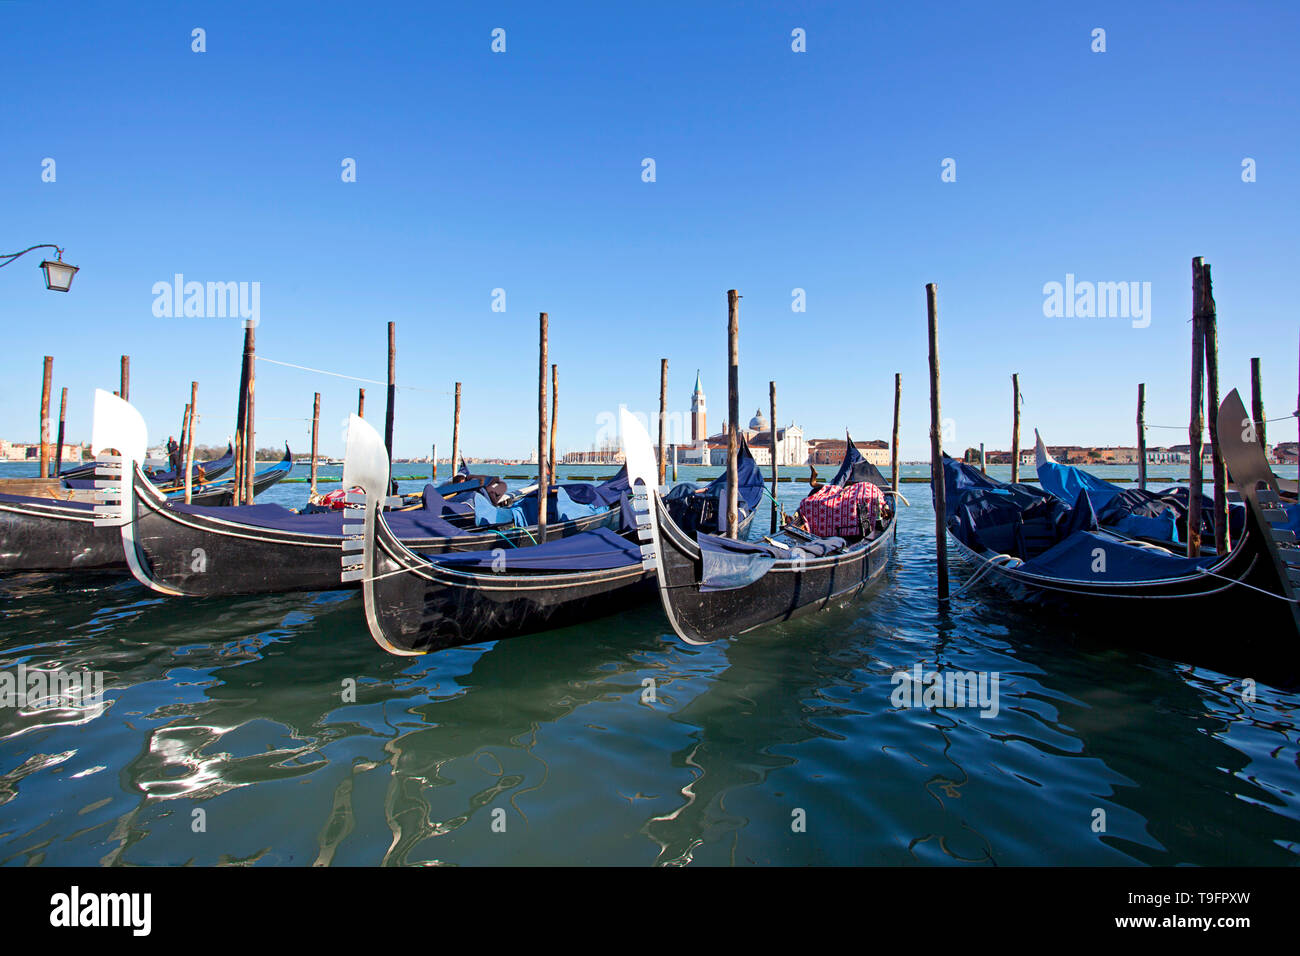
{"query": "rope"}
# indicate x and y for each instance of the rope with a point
(1280, 597)
(353, 378)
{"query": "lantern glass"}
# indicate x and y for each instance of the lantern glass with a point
(58, 275)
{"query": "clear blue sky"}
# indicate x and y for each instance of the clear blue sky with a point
(775, 170)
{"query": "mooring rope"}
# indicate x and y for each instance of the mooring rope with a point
(353, 378)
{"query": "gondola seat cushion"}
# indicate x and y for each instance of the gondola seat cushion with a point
(833, 511)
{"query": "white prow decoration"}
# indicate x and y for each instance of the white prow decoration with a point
(366, 462)
(366, 467)
(1041, 456)
(119, 428)
(642, 476)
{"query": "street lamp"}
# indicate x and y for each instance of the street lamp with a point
(58, 274)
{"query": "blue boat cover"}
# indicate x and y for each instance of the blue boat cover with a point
(729, 564)
(695, 509)
(1066, 481)
(1082, 556)
(597, 550)
(417, 523)
(29, 499)
(434, 502)
(1054, 539)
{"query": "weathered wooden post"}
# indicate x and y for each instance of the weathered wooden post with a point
(555, 410)
(125, 390)
(1142, 435)
(455, 435)
(315, 439)
(1257, 405)
(189, 442)
(674, 462)
(1015, 428)
(663, 411)
(936, 448)
(241, 417)
(361, 403)
(1211, 327)
(733, 411)
(58, 445)
(771, 394)
(392, 391)
(179, 461)
(983, 463)
(543, 481)
(250, 429)
(1196, 426)
(893, 454)
(46, 374)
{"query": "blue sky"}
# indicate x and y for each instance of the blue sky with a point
(775, 170)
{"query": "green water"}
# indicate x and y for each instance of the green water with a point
(549, 749)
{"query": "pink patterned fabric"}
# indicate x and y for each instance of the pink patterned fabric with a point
(833, 512)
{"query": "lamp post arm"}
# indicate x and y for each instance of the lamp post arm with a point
(9, 257)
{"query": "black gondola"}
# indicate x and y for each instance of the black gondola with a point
(198, 550)
(714, 587)
(1051, 554)
(417, 603)
(82, 476)
(48, 534)
(223, 493)
(71, 533)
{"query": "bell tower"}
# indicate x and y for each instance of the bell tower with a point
(699, 431)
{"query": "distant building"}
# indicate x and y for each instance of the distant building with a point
(830, 451)
(31, 451)
(706, 449)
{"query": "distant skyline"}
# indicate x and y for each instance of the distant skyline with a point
(818, 157)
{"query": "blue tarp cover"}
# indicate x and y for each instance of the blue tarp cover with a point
(418, 523)
(1082, 557)
(732, 564)
(1066, 481)
(597, 550)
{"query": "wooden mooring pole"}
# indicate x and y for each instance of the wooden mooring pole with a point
(455, 435)
(179, 461)
(1196, 426)
(46, 374)
(555, 411)
(1210, 324)
(771, 394)
(189, 442)
(361, 403)
(936, 448)
(390, 406)
(543, 480)
(1142, 435)
(125, 383)
(315, 440)
(663, 411)
(893, 454)
(1257, 405)
(250, 430)
(58, 445)
(241, 417)
(1015, 428)
(733, 411)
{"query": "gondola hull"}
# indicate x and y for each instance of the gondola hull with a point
(788, 590)
(415, 607)
(1239, 608)
(40, 535)
(205, 555)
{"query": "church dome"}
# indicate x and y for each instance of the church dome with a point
(758, 423)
